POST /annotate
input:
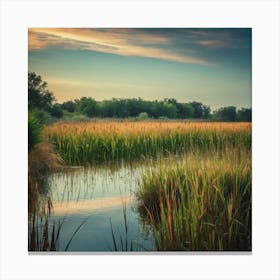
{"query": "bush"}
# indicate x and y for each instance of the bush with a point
(142, 116)
(75, 118)
(43, 116)
(56, 111)
(163, 118)
(35, 128)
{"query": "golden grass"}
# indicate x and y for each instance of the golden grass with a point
(144, 127)
(97, 142)
(200, 203)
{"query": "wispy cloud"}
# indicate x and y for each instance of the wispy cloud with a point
(220, 38)
(214, 43)
(124, 42)
(98, 85)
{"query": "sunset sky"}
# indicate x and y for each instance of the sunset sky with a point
(212, 66)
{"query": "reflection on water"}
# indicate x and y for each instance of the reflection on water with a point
(100, 196)
(91, 205)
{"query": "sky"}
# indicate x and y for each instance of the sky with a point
(208, 65)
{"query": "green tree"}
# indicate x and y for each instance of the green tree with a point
(56, 111)
(244, 115)
(39, 97)
(87, 106)
(185, 110)
(169, 110)
(226, 114)
(69, 106)
(198, 109)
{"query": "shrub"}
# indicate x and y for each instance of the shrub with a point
(35, 128)
(43, 116)
(142, 116)
(56, 111)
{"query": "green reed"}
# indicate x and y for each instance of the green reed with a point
(79, 144)
(202, 203)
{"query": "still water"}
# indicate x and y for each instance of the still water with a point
(102, 199)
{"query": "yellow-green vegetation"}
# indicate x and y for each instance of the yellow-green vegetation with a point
(35, 128)
(42, 160)
(200, 203)
(197, 197)
(99, 142)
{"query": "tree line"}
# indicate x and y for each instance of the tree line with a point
(43, 102)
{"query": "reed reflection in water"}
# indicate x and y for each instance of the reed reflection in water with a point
(98, 195)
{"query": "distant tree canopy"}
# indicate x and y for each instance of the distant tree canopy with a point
(87, 106)
(167, 108)
(41, 100)
(226, 113)
(132, 107)
(244, 114)
(231, 114)
(69, 106)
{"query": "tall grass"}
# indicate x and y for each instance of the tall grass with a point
(122, 242)
(202, 203)
(125, 245)
(42, 160)
(43, 235)
(99, 142)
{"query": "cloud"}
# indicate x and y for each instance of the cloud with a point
(229, 38)
(213, 43)
(97, 85)
(124, 42)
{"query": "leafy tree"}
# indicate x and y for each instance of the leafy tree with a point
(169, 110)
(198, 109)
(122, 108)
(69, 106)
(226, 114)
(156, 109)
(108, 108)
(184, 110)
(244, 114)
(170, 100)
(56, 111)
(206, 111)
(38, 95)
(87, 106)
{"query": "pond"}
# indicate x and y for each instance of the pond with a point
(96, 208)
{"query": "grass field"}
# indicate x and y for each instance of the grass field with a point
(197, 196)
(99, 142)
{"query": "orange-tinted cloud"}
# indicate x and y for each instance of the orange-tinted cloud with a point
(213, 43)
(125, 42)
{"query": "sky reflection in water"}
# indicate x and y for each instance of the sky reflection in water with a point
(98, 194)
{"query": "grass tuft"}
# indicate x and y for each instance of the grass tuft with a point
(201, 203)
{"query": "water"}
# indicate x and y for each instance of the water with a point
(103, 199)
